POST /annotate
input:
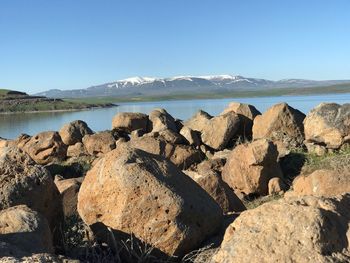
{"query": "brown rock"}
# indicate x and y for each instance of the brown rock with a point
(73, 132)
(220, 130)
(246, 114)
(171, 136)
(76, 150)
(130, 121)
(212, 183)
(192, 137)
(280, 123)
(250, 167)
(132, 191)
(22, 181)
(184, 156)
(199, 121)
(276, 186)
(99, 143)
(328, 124)
(26, 229)
(160, 119)
(322, 183)
(305, 229)
(215, 164)
(45, 148)
(69, 189)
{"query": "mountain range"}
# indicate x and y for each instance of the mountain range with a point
(147, 86)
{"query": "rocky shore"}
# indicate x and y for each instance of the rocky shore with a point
(242, 186)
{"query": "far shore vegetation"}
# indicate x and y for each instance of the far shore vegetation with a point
(14, 101)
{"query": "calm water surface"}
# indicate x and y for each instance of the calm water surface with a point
(100, 119)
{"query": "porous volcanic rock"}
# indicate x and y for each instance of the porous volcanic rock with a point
(280, 123)
(73, 132)
(45, 147)
(130, 121)
(160, 119)
(307, 229)
(322, 183)
(246, 114)
(250, 167)
(212, 183)
(132, 191)
(328, 124)
(69, 189)
(99, 143)
(22, 181)
(28, 230)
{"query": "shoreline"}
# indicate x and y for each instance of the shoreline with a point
(62, 110)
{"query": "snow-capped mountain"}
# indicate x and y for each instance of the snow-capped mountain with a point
(149, 86)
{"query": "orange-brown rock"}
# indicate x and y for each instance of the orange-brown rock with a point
(307, 229)
(212, 183)
(160, 119)
(22, 181)
(328, 124)
(132, 191)
(192, 137)
(246, 114)
(99, 143)
(198, 121)
(220, 130)
(45, 147)
(280, 123)
(171, 136)
(130, 121)
(73, 132)
(322, 183)
(69, 189)
(26, 229)
(183, 156)
(250, 167)
(276, 186)
(76, 150)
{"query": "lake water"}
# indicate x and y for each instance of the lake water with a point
(100, 119)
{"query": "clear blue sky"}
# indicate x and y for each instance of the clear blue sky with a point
(68, 44)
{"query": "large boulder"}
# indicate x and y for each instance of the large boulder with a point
(216, 132)
(246, 114)
(22, 181)
(132, 191)
(160, 119)
(305, 229)
(198, 121)
(328, 124)
(212, 183)
(130, 121)
(322, 183)
(220, 130)
(250, 167)
(73, 132)
(280, 123)
(99, 143)
(45, 147)
(26, 229)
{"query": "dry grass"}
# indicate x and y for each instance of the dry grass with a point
(337, 161)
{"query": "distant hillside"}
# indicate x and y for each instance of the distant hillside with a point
(15, 101)
(192, 85)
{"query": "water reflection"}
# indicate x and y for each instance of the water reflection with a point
(100, 119)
